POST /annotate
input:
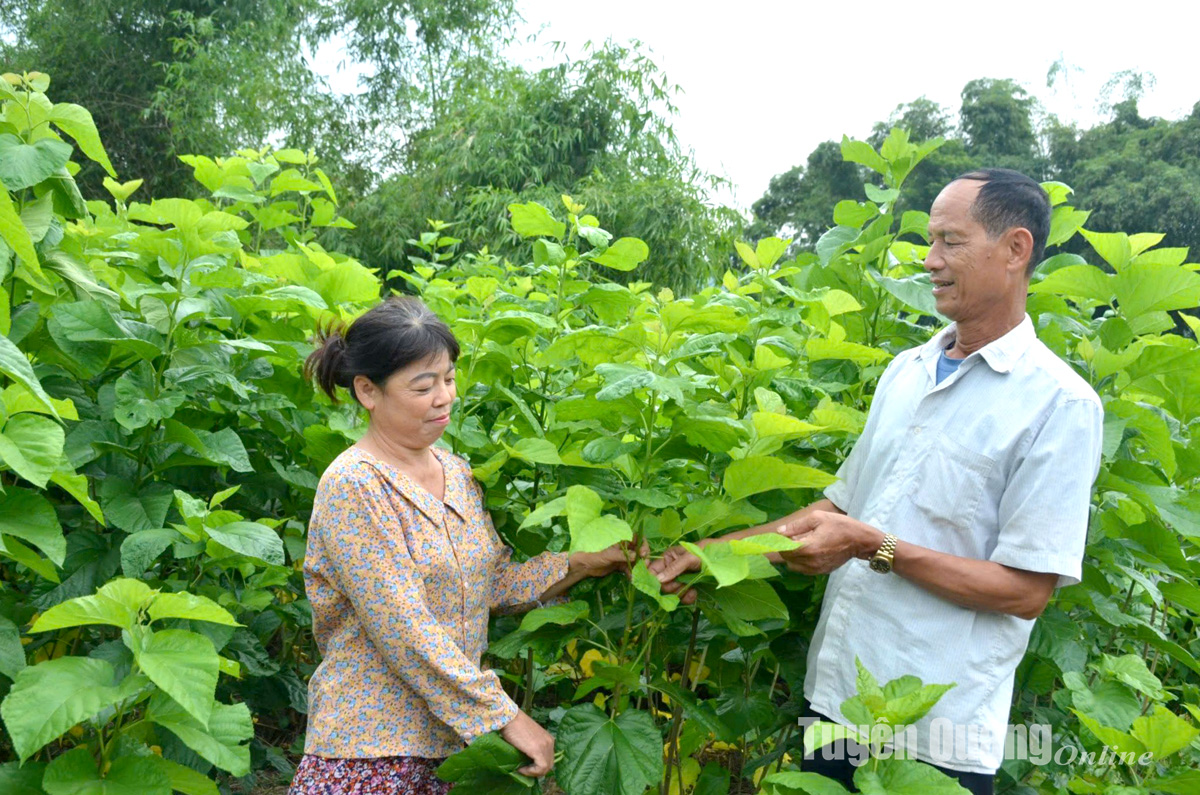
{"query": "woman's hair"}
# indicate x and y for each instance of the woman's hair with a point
(392, 335)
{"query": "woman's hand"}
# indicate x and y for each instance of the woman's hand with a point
(524, 734)
(618, 557)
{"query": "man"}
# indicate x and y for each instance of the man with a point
(966, 500)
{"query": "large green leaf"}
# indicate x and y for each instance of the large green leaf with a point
(562, 615)
(14, 365)
(49, 698)
(251, 539)
(756, 474)
(32, 446)
(533, 220)
(189, 606)
(1156, 288)
(600, 754)
(905, 777)
(488, 764)
(188, 781)
(809, 783)
(624, 254)
(16, 236)
(31, 517)
(12, 653)
(77, 122)
(223, 742)
(139, 550)
(1163, 733)
(648, 584)
(749, 600)
(184, 665)
(75, 773)
(24, 165)
(18, 779)
(132, 509)
(591, 531)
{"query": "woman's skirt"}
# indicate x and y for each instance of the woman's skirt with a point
(389, 775)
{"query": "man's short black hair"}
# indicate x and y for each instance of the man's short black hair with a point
(1010, 199)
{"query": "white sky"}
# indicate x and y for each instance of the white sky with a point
(765, 82)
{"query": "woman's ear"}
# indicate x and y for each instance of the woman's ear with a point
(366, 391)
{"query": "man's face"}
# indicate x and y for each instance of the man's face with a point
(970, 278)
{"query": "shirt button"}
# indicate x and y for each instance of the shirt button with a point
(917, 430)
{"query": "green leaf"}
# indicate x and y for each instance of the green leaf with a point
(1119, 740)
(750, 600)
(32, 446)
(809, 783)
(770, 249)
(821, 733)
(624, 254)
(621, 380)
(121, 190)
(768, 423)
(1131, 670)
(1185, 783)
(14, 550)
(77, 486)
(180, 213)
(30, 517)
(1078, 281)
(12, 653)
(14, 233)
(189, 606)
(221, 742)
(535, 451)
(49, 698)
(24, 165)
(77, 122)
(621, 756)
(18, 779)
(1155, 288)
(1114, 247)
(533, 220)
(562, 615)
(545, 512)
(223, 447)
(14, 365)
(862, 153)
(75, 773)
(251, 539)
(1163, 733)
(108, 606)
(819, 348)
(591, 532)
(647, 583)
(905, 777)
(186, 780)
(487, 765)
(184, 665)
(718, 561)
(132, 510)
(139, 550)
(139, 403)
(761, 544)
(756, 474)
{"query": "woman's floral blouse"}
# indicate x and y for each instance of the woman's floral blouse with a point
(401, 585)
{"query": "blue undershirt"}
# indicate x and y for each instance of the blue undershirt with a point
(946, 366)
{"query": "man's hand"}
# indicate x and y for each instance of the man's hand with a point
(674, 563)
(828, 540)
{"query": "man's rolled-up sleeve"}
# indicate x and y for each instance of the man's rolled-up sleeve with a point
(373, 569)
(1044, 511)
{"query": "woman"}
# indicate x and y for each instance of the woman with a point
(402, 567)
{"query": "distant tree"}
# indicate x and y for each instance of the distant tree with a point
(996, 120)
(799, 202)
(1135, 173)
(597, 129)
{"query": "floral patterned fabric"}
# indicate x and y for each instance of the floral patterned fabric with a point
(390, 775)
(401, 585)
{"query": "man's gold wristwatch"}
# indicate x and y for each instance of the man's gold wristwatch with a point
(881, 561)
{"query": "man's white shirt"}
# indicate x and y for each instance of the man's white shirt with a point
(995, 463)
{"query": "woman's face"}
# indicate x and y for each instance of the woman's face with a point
(412, 407)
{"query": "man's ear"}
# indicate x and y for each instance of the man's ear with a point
(1019, 247)
(366, 390)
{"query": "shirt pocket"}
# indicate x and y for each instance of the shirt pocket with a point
(948, 487)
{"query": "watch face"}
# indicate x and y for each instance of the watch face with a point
(880, 565)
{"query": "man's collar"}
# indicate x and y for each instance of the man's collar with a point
(1000, 354)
